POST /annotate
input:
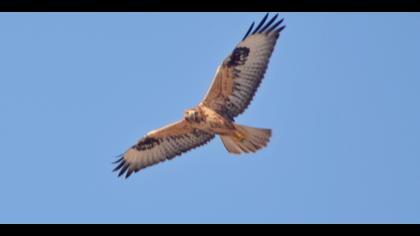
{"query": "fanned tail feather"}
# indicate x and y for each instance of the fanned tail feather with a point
(246, 139)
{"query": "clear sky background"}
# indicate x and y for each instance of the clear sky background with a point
(341, 95)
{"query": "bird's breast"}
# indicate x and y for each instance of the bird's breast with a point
(214, 123)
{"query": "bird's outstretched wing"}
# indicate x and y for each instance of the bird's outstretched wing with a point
(238, 78)
(160, 145)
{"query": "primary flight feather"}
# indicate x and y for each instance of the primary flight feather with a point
(236, 81)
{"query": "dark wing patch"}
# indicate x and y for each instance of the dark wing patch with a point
(150, 151)
(238, 56)
(146, 143)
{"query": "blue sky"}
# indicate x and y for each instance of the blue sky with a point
(341, 95)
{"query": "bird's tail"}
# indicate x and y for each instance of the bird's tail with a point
(246, 139)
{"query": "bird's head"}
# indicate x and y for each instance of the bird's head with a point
(192, 115)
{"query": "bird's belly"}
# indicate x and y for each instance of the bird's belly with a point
(214, 123)
(216, 127)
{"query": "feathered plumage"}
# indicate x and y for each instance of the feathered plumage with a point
(231, 92)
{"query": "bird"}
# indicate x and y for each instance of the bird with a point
(232, 90)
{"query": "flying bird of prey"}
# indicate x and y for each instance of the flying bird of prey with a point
(232, 90)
